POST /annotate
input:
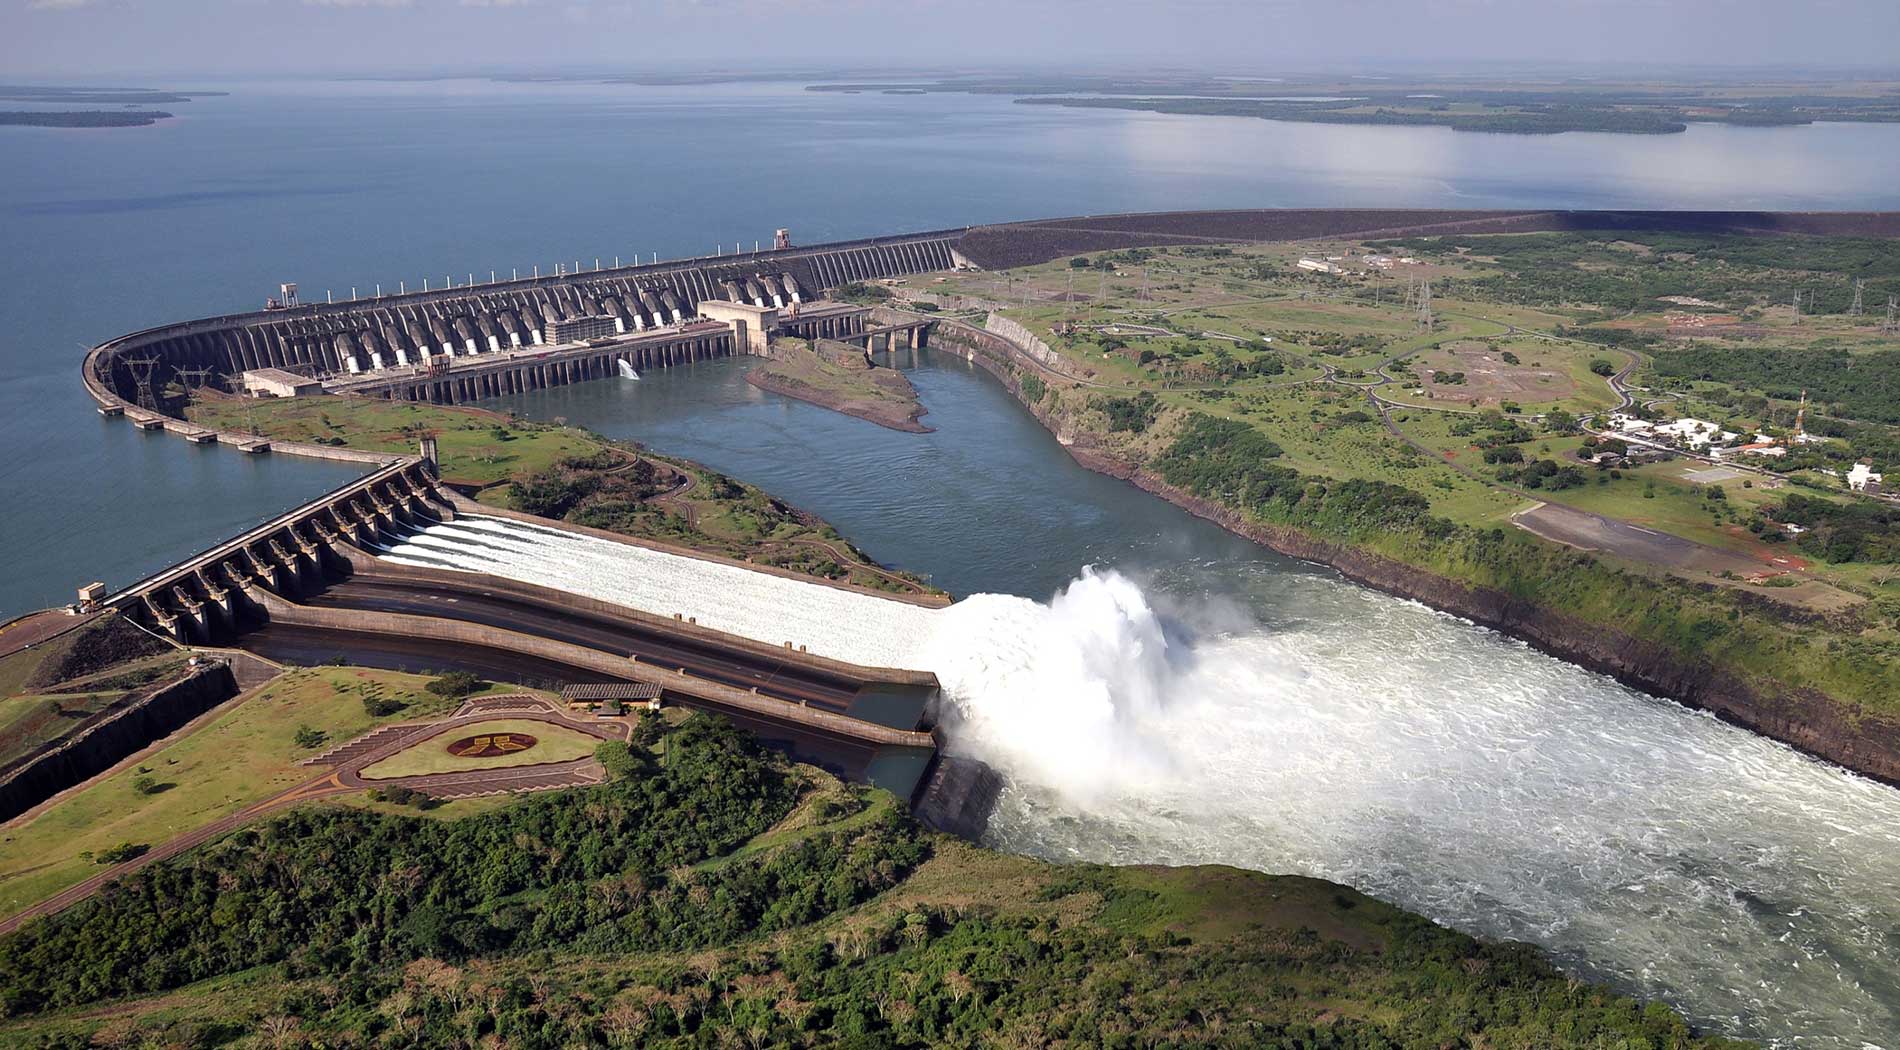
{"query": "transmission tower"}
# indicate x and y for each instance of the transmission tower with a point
(1855, 310)
(143, 370)
(1892, 324)
(193, 380)
(1425, 305)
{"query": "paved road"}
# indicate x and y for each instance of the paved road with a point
(473, 604)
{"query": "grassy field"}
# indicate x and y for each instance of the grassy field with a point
(243, 754)
(552, 744)
(474, 446)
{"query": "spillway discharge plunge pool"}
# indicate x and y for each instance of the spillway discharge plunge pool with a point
(1374, 743)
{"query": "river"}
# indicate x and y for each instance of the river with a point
(1199, 699)
(1209, 700)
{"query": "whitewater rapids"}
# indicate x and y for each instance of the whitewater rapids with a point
(1335, 732)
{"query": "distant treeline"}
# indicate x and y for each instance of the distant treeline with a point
(1562, 269)
(1545, 121)
(82, 118)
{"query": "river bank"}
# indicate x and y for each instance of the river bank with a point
(1806, 719)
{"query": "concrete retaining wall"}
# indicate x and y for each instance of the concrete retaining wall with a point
(109, 739)
(592, 660)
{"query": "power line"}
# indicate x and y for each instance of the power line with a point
(143, 369)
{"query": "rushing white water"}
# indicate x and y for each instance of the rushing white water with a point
(1373, 742)
(1454, 772)
(767, 608)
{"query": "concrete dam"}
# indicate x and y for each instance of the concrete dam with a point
(370, 340)
(482, 339)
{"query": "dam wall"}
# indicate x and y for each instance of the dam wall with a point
(207, 598)
(411, 328)
(597, 662)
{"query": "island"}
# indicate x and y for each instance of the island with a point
(1469, 104)
(82, 118)
(843, 378)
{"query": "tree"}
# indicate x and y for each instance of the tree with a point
(309, 737)
(1602, 366)
(455, 684)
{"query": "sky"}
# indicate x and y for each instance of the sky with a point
(211, 38)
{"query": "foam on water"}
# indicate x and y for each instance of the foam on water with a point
(1451, 771)
(771, 609)
(1373, 742)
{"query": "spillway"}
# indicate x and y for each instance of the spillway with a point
(843, 625)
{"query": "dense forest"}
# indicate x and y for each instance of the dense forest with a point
(1858, 386)
(1229, 461)
(1858, 531)
(82, 118)
(338, 890)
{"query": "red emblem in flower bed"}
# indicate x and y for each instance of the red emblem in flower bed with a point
(491, 745)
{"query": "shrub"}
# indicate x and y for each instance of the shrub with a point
(121, 853)
(309, 737)
(455, 684)
(381, 706)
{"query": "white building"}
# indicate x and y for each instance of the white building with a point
(1863, 479)
(1695, 433)
(1318, 266)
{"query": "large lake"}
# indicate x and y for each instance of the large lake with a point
(353, 184)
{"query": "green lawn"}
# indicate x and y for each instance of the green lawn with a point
(552, 744)
(245, 754)
(474, 446)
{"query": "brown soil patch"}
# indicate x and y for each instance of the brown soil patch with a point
(1488, 379)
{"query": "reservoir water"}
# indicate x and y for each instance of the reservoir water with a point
(1252, 710)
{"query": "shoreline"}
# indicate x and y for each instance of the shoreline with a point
(907, 423)
(1807, 720)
